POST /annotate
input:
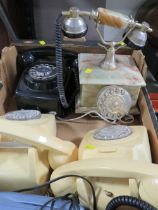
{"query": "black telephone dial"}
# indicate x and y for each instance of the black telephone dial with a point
(37, 87)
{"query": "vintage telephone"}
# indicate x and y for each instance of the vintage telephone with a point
(99, 70)
(117, 160)
(28, 145)
(110, 177)
(74, 26)
(37, 87)
(116, 141)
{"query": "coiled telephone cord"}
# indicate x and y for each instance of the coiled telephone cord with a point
(128, 201)
(59, 64)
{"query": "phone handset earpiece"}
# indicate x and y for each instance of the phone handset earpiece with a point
(63, 186)
(148, 190)
(57, 158)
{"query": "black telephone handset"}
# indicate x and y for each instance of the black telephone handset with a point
(38, 80)
(43, 54)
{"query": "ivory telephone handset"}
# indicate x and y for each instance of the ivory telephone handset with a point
(110, 177)
(116, 141)
(28, 145)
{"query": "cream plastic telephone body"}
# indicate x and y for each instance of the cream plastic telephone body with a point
(110, 177)
(110, 166)
(134, 147)
(26, 150)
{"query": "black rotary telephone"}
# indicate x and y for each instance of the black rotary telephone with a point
(38, 87)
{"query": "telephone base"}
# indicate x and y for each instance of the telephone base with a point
(45, 101)
(133, 147)
(93, 78)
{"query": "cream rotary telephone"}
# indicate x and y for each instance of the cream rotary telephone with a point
(28, 145)
(116, 141)
(111, 177)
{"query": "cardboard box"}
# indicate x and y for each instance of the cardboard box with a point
(75, 131)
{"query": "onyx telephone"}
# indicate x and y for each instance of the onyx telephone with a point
(38, 86)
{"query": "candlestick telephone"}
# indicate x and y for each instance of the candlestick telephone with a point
(38, 86)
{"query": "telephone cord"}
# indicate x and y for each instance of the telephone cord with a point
(59, 64)
(130, 118)
(128, 201)
(86, 114)
(69, 198)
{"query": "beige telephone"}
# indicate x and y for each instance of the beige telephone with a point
(116, 141)
(110, 177)
(28, 145)
(117, 160)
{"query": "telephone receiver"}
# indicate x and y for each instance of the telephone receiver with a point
(110, 177)
(29, 57)
(42, 135)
